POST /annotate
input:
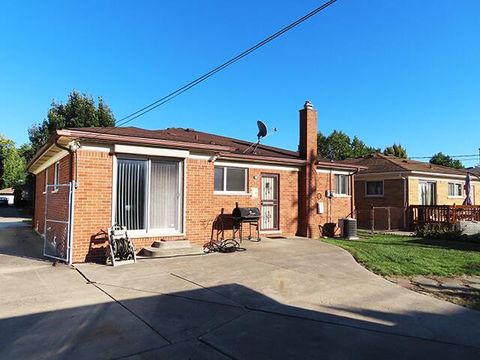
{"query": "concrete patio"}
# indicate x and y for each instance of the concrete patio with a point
(280, 299)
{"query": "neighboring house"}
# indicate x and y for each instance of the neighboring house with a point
(392, 184)
(172, 184)
(474, 170)
(7, 193)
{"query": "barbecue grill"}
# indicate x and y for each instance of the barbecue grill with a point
(246, 215)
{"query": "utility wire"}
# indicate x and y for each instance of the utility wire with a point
(212, 72)
(452, 156)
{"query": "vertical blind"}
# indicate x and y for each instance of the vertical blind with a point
(131, 183)
(165, 195)
(149, 189)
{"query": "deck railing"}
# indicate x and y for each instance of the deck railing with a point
(443, 214)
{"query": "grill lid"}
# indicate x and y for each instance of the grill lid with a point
(246, 213)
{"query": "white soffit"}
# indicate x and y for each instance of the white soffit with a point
(143, 150)
(335, 172)
(52, 160)
(256, 166)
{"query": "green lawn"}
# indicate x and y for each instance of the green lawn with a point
(407, 256)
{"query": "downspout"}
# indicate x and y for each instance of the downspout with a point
(329, 203)
(405, 184)
(352, 193)
(72, 149)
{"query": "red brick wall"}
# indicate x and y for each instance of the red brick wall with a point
(393, 197)
(93, 205)
(58, 208)
(335, 208)
(93, 202)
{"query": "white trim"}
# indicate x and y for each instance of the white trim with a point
(462, 186)
(56, 176)
(225, 175)
(95, 148)
(148, 232)
(184, 194)
(139, 234)
(334, 172)
(439, 174)
(236, 193)
(256, 166)
(334, 183)
(114, 187)
(199, 157)
(150, 151)
(46, 181)
(438, 179)
(57, 157)
(335, 195)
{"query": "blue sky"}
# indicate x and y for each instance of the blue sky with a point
(388, 71)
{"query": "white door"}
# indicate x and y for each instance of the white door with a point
(269, 202)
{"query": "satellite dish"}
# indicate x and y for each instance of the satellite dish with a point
(262, 130)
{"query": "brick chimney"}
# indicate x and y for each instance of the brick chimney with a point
(307, 176)
(308, 132)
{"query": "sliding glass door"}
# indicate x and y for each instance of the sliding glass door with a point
(149, 195)
(131, 185)
(428, 193)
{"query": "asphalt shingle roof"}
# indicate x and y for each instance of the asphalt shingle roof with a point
(379, 163)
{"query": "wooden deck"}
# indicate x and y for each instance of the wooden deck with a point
(443, 214)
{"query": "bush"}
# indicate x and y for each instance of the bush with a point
(444, 232)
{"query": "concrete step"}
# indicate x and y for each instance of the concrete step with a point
(171, 244)
(155, 252)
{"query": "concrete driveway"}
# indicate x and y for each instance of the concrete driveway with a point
(280, 299)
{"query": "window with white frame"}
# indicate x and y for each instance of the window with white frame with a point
(455, 189)
(230, 179)
(374, 188)
(45, 181)
(341, 184)
(149, 195)
(56, 176)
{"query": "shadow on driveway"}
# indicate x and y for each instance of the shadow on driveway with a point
(195, 324)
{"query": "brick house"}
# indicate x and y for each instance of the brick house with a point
(172, 184)
(392, 184)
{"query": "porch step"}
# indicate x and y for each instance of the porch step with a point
(171, 244)
(156, 252)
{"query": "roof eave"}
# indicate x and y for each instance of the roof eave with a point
(113, 138)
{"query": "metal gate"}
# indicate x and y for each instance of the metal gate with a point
(58, 221)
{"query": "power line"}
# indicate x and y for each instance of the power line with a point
(212, 72)
(452, 156)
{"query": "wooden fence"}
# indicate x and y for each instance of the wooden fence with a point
(442, 214)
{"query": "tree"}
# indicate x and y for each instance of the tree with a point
(445, 160)
(338, 146)
(79, 111)
(12, 165)
(359, 149)
(396, 150)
